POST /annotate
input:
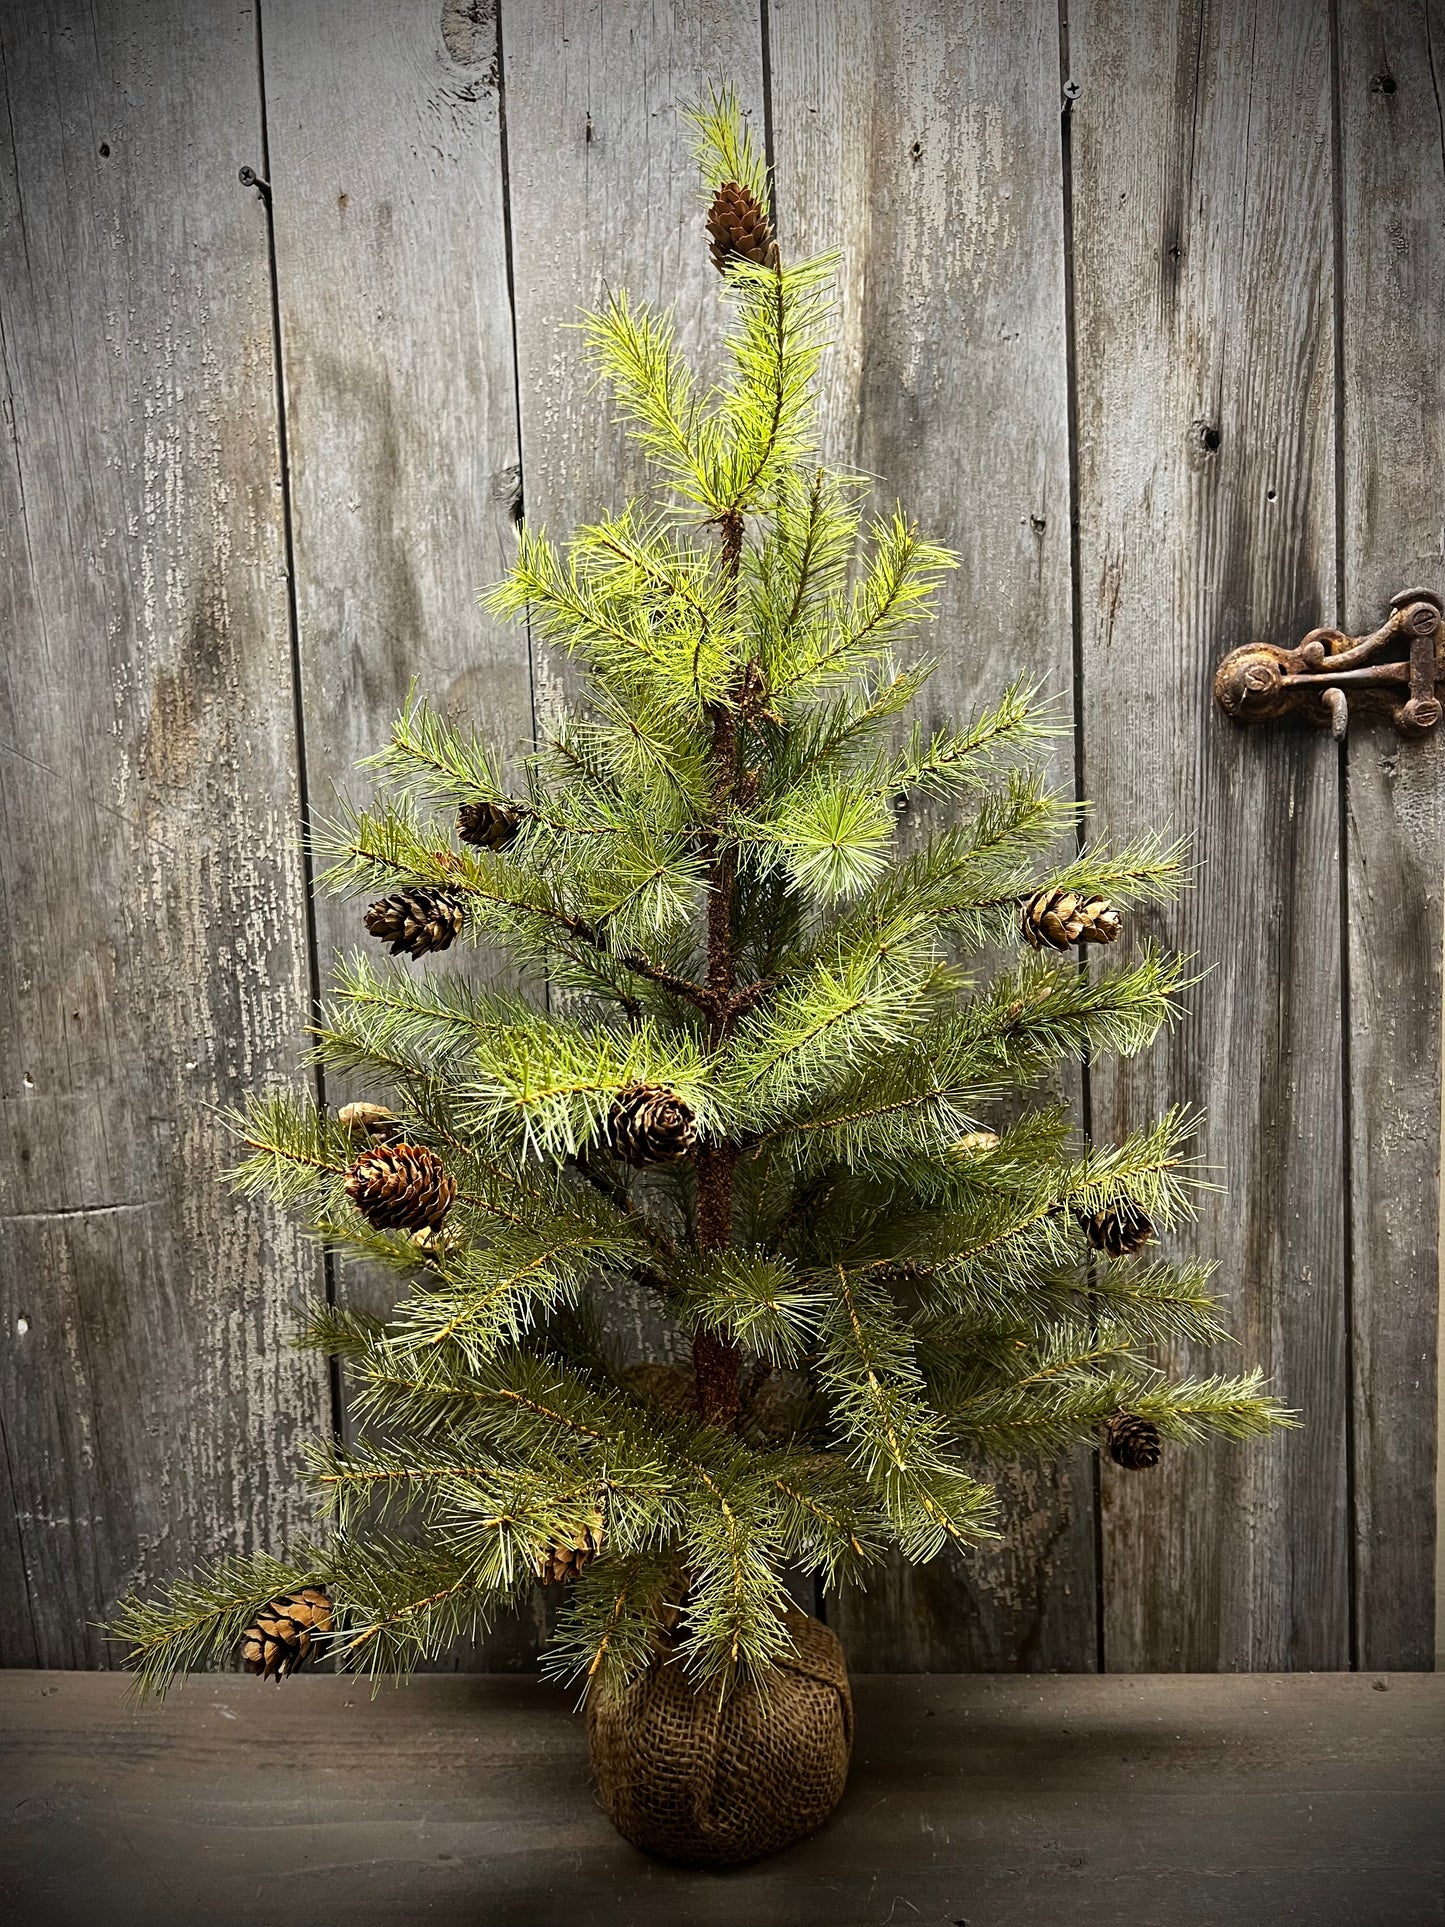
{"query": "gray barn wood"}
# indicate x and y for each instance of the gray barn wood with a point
(1118, 317)
(401, 419)
(997, 1802)
(1392, 519)
(152, 1409)
(1203, 271)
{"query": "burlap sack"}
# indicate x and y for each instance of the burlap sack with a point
(712, 1785)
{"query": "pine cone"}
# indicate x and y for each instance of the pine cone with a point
(739, 228)
(570, 1552)
(401, 1187)
(649, 1124)
(416, 921)
(490, 826)
(371, 1120)
(1133, 1442)
(1119, 1229)
(1058, 919)
(280, 1637)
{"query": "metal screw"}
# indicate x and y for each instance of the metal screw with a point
(248, 177)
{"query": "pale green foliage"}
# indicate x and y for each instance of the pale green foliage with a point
(744, 639)
(725, 149)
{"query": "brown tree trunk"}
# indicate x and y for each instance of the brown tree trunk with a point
(717, 1364)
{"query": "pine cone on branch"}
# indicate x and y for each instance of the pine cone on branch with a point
(416, 920)
(649, 1124)
(569, 1552)
(1058, 919)
(489, 826)
(1132, 1441)
(1120, 1229)
(401, 1187)
(282, 1635)
(739, 228)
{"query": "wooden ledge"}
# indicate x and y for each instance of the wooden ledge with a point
(1018, 1801)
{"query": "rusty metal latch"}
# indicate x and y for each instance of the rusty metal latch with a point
(1404, 658)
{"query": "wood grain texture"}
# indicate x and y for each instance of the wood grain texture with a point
(148, 792)
(384, 123)
(604, 195)
(922, 140)
(1393, 525)
(1202, 236)
(1002, 1802)
(396, 329)
(150, 1408)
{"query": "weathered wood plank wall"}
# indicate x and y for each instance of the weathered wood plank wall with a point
(402, 435)
(155, 913)
(1141, 311)
(1392, 537)
(1204, 347)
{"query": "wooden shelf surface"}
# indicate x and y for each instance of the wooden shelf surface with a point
(995, 1801)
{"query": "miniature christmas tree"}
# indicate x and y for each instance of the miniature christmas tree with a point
(759, 1077)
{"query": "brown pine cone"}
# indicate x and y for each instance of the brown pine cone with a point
(1133, 1442)
(649, 1124)
(490, 826)
(401, 1187)
(570, 1552)
(281, 1636)
(416, 920)
(1058, 919)
(1120, 1229)
(739, 228)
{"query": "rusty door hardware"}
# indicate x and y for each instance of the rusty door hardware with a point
(1392, 672)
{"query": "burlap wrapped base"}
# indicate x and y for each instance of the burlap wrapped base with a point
(713, 1785)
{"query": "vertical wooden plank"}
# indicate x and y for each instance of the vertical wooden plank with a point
(384, 127)
(603, 195)
(1393, 528)
(152, 889)
(923, 140)
(1202, 238)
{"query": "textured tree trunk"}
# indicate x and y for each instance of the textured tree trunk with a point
(716, 1363)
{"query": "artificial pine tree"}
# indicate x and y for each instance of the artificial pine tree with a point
(771, 1082)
